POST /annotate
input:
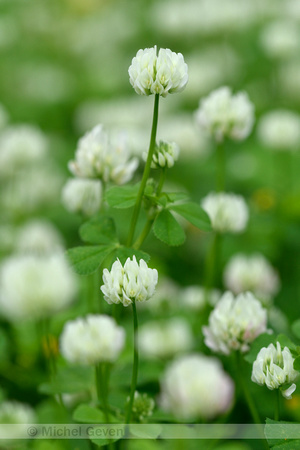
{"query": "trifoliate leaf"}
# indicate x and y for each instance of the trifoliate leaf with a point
(86, 260)
(99, 230)
(167, 229)
(193, 213)
(122, 196)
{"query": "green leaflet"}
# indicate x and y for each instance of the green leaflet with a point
(122, 196)
(86, 260)
(99, 230)
(193, 213)
(167, 229)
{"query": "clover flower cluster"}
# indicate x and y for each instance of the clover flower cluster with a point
(142, 407)
(280, 130)
(195, 386)
(133, 282)
(90, 340)
(81, 195)
(224, 115)
(165, 339)
(227, 212)
(35, 286)
(99, 155)
(251, 273)
(165, 155)
(235, 323)
(39, 237)
(165, 73)
(273, 367)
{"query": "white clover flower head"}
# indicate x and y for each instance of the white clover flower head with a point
(164, 156)
(35, 286)
(273, 367)
(280, 39)
(142, 407)
(91, 340)
(279, 130)
(82, 195)
(161, 74)
(39, 237)
(225, 115)
(235, 323)
(196, 297)
(133, 282)
(20, 146)
(195, 386)
(18, 414)
(99, 155)
(228, 212)
(251, 273)
(165, 339)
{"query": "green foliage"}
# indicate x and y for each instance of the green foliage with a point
(286, 342)
(141, 432)
(86, 413)
(122, 196)
(99, 230)
(193, 213)
(167, 229)
(122, 253)
(263, 340)
(296, 328)
(297, 363)
(69, 380)
(86, 260)
(277, 434)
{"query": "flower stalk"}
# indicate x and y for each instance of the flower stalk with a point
(135, 363)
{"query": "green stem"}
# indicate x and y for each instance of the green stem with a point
(277, 405)
(145, 177)
(220, 167)
(243, 384)
(135, 363)
(102, 388)
(212, 262)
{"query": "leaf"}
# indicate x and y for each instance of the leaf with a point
(69, 380)
(167, 229)
(193, 213)
(142, 431)
(296, 328)
(176, 196)
(263, 340)
(125, 252)
(86, 260)
(297, 363)
(99, 230)
(281, 435)
(86, 413)
(109, 434)
(286, 342)
(122, 196)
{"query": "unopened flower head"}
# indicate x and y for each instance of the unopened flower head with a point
(133, 282)
(251, 273)
(142, 407)
(165, 339)
(235, 323)
(273, 367)
(280, 130)
(39, 237)
(21, 145)
(93, 339)
(35, 286)
(195, 386)
(225, 115)
(82, 195)
(164, 156)
(227, 212)
(99, 155)
(161, 74)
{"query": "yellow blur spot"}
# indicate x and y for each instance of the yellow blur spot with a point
(294, 403)
(264, 199)
(50, 346)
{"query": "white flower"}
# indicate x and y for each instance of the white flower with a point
(33, 287)
(39, 237)
(134, 281)
(80, 195)
(235, 323)
(280, 130)
(274, 368)
(93, 339)
(223, 115)
(194, 297)
(227, 212)
(251, 273)
(196, 386)
(165, 339)
(165, 155)
(98, 156)
(280, 39)
(19, 415)
(158, 74)
(21, 145)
